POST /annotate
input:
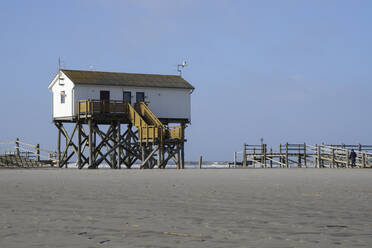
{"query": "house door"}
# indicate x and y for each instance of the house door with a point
(140, 96)
(127, 96)
(104, 96)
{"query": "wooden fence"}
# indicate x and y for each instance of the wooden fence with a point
(21, 148)
(303, 155)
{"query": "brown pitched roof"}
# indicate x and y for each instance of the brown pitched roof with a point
(127, 79)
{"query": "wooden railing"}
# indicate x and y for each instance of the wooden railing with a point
(27, 150)
(150, 128)
(87, 108)
(304, 155)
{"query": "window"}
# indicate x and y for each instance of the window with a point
(127, 96)
(61, 81)
(104, 95)
(63, 97)
(140, 96)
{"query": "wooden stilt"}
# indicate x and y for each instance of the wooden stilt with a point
(90, 144)
(182, 155)
(119, 150)
(58, 146)
(78, 163)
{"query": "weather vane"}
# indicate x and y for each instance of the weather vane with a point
(181, 66)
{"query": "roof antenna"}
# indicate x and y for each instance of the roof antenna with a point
(181, 66)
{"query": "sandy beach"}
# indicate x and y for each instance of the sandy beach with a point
(189, 208)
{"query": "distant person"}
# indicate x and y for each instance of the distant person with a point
(352, 157)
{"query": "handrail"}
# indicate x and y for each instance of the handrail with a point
(145, 111)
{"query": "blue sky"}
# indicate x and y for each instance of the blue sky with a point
(287, 71)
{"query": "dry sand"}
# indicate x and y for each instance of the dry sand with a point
(190, 208)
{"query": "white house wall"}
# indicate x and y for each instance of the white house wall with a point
(63, 110)
(164, 102)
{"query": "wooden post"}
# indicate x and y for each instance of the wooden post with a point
(182, 165)
(119, 150)
(264, 155)
(333, 158)
(17, 146)
(254, 158)
(280, 156)
(159, 156)
(78, 162)
(178, 158)
(299, 156)
(37, 152)
(271, 157)
(59, 147)
(364, 159)
(245, 156)
(286, 155)
(200, 162)
(305, 157)
(319, 157)
(90, 143)
(143, 155)
(234, 159)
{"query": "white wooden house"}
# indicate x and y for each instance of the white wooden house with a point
(168, 96)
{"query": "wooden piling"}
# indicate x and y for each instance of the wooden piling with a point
(264, 155)
(305, 157)
(59, 147)
(119, 149)
(17, 146)
(182, 156)
(200, 162)
(271, 157)
(280, 157)
(90, 143)
(79, 146)
(234, 159)
(254, 158)
(245, 156)
(319, 156)
(286, 155)
(333, 158)
(299, 156)
(37, 148)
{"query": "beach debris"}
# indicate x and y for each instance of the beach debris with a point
(336, 226)
(104, 241)
(183, 234)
